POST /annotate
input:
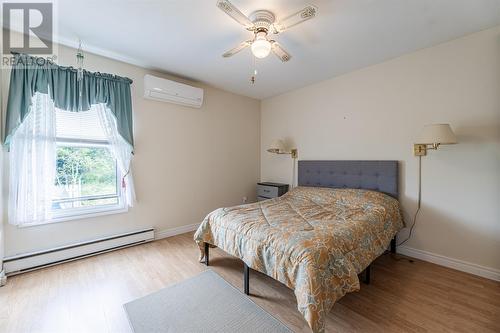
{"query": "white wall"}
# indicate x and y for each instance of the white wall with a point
(377, 112)
(187, 162)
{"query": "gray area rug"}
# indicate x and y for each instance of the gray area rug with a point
(204, 303)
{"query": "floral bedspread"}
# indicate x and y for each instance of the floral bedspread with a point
(314, 240)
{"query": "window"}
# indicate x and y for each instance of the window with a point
(63, 164)
(87, 178)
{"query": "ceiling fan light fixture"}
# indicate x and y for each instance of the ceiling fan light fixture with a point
(262, 22)
(261, 47)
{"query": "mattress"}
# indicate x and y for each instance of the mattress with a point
(314, 240)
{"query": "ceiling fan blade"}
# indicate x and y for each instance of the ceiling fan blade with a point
(303, 15)
(235, 14)
(237, 49)
(280, 52)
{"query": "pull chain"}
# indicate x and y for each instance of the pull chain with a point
(254, 65)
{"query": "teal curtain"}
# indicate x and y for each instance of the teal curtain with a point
(33, 74)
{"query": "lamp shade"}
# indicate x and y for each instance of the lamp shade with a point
(437, 134)
(277, 147)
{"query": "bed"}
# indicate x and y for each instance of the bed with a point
(317, 238)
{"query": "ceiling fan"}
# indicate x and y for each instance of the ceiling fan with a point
(262, 23)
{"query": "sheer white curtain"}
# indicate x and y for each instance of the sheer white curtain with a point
(32, 164)
(120, 149)
(33, 161)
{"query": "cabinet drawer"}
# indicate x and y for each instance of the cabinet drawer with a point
(267, 191)
(261, 199)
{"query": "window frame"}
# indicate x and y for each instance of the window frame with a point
(91, 211)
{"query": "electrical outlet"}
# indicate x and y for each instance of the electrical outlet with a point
(244, 200)
(3, 278)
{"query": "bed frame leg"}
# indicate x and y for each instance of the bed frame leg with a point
(393, 245)
(367, 275)
(206, 254)
(246, 279)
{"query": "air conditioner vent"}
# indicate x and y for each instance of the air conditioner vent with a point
(164, 90)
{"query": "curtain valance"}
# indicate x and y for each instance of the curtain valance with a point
(33, 74)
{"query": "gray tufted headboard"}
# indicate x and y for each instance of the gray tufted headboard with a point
(379, 176)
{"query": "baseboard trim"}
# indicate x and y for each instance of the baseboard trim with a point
(176, 231)
(460, 265)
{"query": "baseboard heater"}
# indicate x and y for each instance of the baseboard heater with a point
(30, 261)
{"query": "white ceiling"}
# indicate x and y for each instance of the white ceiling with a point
(187, 37)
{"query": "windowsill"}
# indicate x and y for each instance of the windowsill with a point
(83, 215)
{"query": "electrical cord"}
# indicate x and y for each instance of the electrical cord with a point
(419, 200)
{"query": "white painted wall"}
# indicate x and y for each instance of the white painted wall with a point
(377, 112)
(187, 162)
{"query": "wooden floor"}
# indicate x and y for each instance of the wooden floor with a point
(88, 295)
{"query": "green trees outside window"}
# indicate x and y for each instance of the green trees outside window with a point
(85, 176)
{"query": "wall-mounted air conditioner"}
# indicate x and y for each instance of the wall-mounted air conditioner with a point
(164, 90)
